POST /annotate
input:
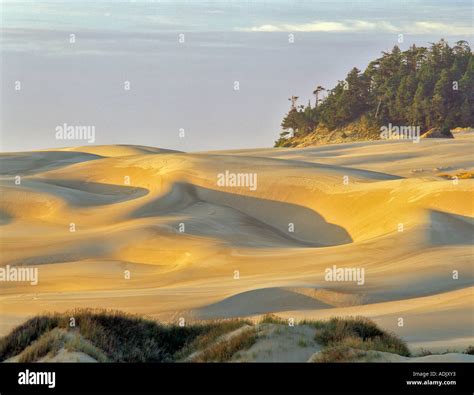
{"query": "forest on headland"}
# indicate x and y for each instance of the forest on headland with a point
(428, 87)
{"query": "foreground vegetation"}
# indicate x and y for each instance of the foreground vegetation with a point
(120, 337)
(113, 336)
(346, 339)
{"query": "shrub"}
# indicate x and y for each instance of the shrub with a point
(49, 342)
(111, 335)
(338, 329)
(469, 350)
(361, 333)
(223, 351)
(77, 343)
(210, 334)
(313, 323)
(23, 335)
(354, 348)
(128, 338)
(339, 353)
(273, 319)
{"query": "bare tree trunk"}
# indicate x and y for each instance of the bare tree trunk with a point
(378, 106)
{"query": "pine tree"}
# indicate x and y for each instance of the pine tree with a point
(426, 87)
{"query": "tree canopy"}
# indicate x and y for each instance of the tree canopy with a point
(426, 87)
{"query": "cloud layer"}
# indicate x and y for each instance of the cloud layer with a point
(348, 26)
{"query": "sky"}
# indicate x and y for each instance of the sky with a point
(181, 61)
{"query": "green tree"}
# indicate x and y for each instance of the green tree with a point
(426, 87)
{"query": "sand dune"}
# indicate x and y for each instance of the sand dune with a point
(160, 215)
(26, 163)
(118, 150)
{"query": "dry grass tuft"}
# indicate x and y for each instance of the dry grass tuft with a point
(347, 339)
(224, 350)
